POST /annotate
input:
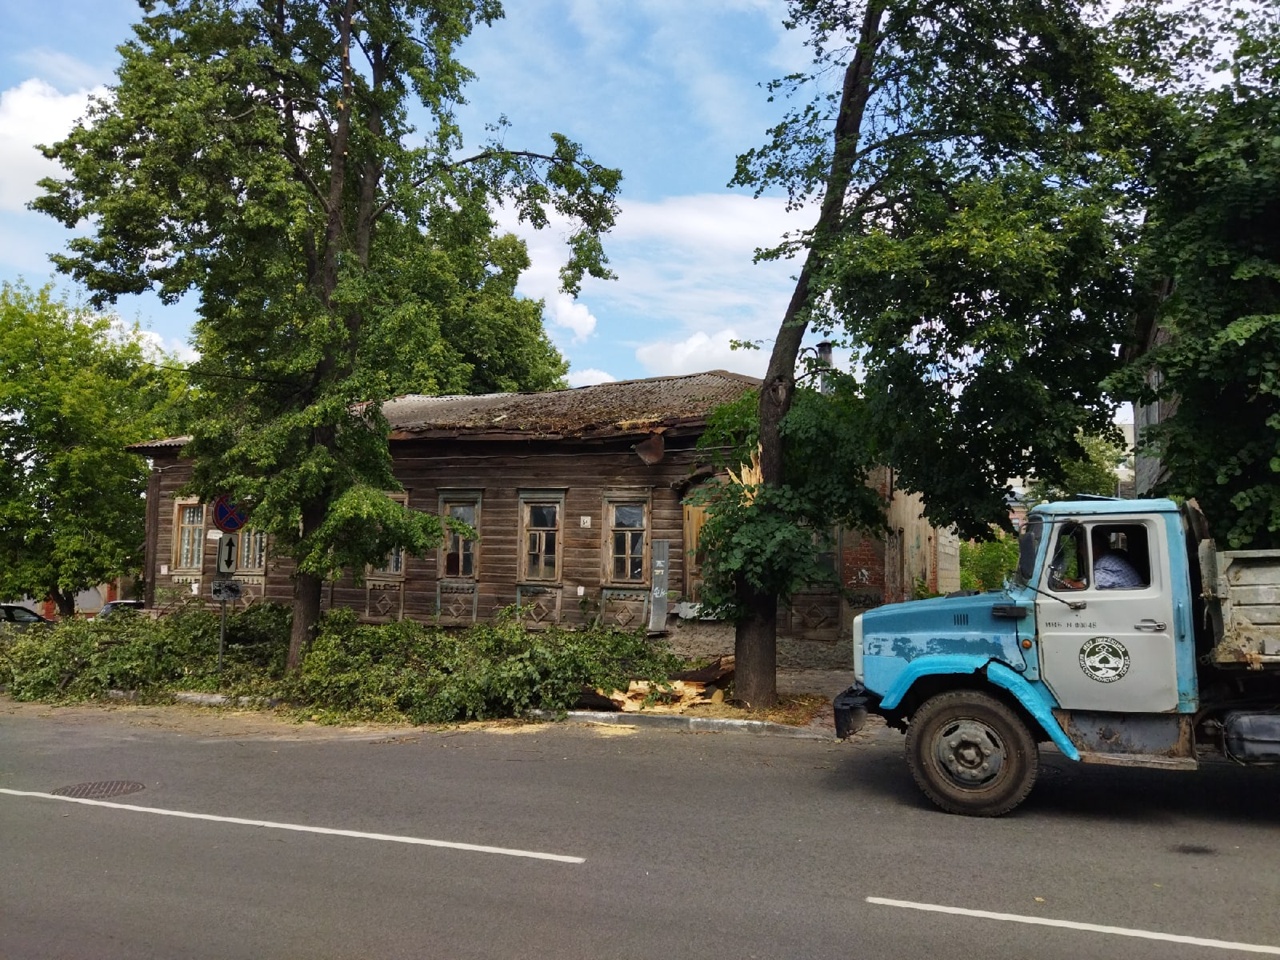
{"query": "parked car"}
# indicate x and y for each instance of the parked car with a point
(14, 616)
(113, 607)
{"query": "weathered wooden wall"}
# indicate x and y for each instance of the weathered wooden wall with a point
(872, 569)
(584, 473)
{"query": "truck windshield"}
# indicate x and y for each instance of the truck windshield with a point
(1028, 547)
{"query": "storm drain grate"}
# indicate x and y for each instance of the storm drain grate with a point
(101, 790)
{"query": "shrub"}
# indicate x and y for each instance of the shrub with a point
(986, 565)
(86, 659)
(431, 675)
(400, 671)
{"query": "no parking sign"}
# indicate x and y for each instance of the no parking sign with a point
(227, 515)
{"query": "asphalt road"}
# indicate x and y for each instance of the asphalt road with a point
(671, 845)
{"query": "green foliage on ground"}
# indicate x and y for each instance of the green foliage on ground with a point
(404, 671)
(501, 669)
(80, 659)
(986, 565)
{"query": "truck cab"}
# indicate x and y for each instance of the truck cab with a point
(1108, 642)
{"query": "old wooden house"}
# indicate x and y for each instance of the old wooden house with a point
(578, 499)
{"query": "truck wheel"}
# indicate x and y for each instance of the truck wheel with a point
(971, 754)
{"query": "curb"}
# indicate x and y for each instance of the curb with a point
(759, 728)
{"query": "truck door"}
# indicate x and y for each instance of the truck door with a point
(1116, 652)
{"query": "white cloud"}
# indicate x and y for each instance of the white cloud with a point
(687, 262)
(681, 259)
(174, 351)
(732, 223)
(589, 377)
(541, 281)
(569, 314)
(156, 348)
(686, 284)
(702, 351)
(32, 112)
(62, 69)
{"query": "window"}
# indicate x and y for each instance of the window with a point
(188, 540)
(393, 567)
(1102, 556)
(1121, 556)
(627, 540)
(540, 519)
(1069, 566)
(458, 558)
(253, 552)
(824, 551)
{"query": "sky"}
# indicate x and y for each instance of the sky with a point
(667, 90)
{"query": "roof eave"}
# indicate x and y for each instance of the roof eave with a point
(671, 428)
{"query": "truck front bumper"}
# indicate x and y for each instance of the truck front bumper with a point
(851, 709)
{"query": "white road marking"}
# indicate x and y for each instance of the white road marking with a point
(1072, 925)
(301, 828)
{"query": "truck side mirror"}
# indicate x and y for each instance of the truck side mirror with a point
(1026, 556)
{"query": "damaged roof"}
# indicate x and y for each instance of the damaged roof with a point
(621, 408)
(605, 409)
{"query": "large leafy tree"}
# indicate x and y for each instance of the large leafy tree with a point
(969, 245)
(75, 387)
(299, 165)
(1212, 257)
(768, 538)
(1095, 473)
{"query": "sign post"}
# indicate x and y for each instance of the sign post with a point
(226, 589)
(230, 519)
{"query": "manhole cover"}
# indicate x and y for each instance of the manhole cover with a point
(101, 790)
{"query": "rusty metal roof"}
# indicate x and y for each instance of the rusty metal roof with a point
(607, 409)
(624, 407)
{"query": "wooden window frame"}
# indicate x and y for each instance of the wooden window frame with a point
(197, 545)
(448, 500)
(612, 500)
(541, 498)
(385, 573)
(248, 537)
(826, 552)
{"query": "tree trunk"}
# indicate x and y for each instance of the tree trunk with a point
(755, 652)
(65, 602)
(307, 590)
(756, 638)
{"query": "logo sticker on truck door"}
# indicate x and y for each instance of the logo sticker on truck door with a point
(1104, 659)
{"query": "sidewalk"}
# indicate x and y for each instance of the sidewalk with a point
(825, 683)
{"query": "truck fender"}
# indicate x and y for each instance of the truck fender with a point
(1032, 700)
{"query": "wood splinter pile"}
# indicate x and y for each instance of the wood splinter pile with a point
(682, 692)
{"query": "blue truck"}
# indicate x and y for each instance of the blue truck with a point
(1172, 661)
